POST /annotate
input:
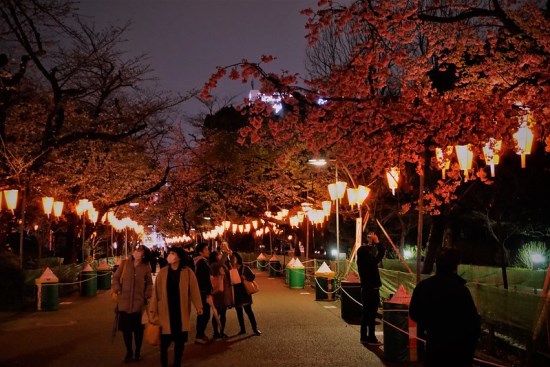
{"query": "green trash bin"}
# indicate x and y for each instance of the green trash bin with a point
(104, 274)
(274, 268)
(47, 291)
(324, 288)
(88, 279)
(261, 262)
(287, 270)
(350, 306)
(297, 277)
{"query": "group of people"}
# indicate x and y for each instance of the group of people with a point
(179, 285)
(441, 305)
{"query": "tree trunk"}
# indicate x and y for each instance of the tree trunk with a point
(435, 240)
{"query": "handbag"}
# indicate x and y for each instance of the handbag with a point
(234, 276)
(114, 295)
(217, 283)
(250, 287)
(151, 334)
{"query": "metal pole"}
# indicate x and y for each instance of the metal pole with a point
(337, 226)
(22, 227)
(83, 236)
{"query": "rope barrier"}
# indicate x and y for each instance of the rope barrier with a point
(327, 291)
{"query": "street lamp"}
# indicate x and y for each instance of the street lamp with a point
(81, 208)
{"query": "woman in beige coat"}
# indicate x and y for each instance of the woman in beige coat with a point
(175, 289)
(133, 284)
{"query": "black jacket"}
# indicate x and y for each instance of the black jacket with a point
(202, 270)
(368, 258)
(444, 309)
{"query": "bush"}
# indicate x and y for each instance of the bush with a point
(12, 282)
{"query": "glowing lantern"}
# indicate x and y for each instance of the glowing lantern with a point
(465, 157)
(226, 224)
(327, 205)
(352, 196)
(241, 228)
(47, 203)
(524, 141)
(300, 216)
(82, 207)
(268, 214)
(11, 199)
(362, 193)
(255, 224)
(93, 215)
(293, 221)
(234, 228)
(337, 190)
(443, 161)
(284, 212)
(490, 152)
(392, 176)
(247, 228)
(58, 208)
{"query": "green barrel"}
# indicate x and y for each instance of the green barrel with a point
(261, 265)
(396, 343)
(297, 277)
(104, 279)
(48, 296)
(274, 268)
(324, 289)
(88, 287)
(350, 299)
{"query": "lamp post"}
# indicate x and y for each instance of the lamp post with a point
(81, 209)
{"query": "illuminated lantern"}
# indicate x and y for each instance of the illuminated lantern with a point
(234, 228)
(524, 141)
(226, 224)
(300, 215)
(47, 203)
(268, 214)
(58, 208)
(241, 228)
(293, 221)
(352, 196)
(465, 157)
(337, 190)
(11, 199)
(443, 161)
(362, 193)
(247, 228)
(490, 152)
(393, 178)
(327, 205)
(284, 212)
(93, 215)
(255, 224)
(82, 207)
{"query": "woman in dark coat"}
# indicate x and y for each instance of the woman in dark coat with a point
(134, 285)
(243, 299)
(223, 299)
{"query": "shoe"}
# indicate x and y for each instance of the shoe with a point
(373, 342)
(224, 335)
(242, 332)
(257, 332)
(204, 340)
(128, 358)
(137, 358)
(217, 336)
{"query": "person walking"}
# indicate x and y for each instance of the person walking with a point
(446, 315)
(368, 257)
(134, 285)
(203, 273)
(223, 299)
(243, 300)
(176, 288)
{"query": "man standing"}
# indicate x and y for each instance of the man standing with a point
(368, 257)
(446, 315)
(203, 272)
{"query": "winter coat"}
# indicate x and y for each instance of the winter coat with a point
(189, 293)
(444, 309)
(368, 258)
(202, 272)
(134, 286)
(241, 297)
(225, 298)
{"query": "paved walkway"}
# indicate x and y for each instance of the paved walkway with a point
(296, 331)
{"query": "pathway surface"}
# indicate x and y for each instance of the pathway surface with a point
(296, 331)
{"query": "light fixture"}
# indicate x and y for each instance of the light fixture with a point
(57, 208)
(337, 190)
(11, 199)
(47, 203)
(524, 141)
(465, 157)
(443, 161)
(491, 151)
(392, 176)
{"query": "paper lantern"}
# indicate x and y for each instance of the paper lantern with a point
(82, 207)
(443, 161)
(255, 224)
(352, 196)
(362, 193)
(337, 190)
(11, 199)
(234, 228)
(393, 178)
(47, 203)
(58, 208)
(465, 158)
(327, 206)
(524, 142)
(226, 224)
(490, 152)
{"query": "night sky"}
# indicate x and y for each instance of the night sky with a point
(187, 39)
